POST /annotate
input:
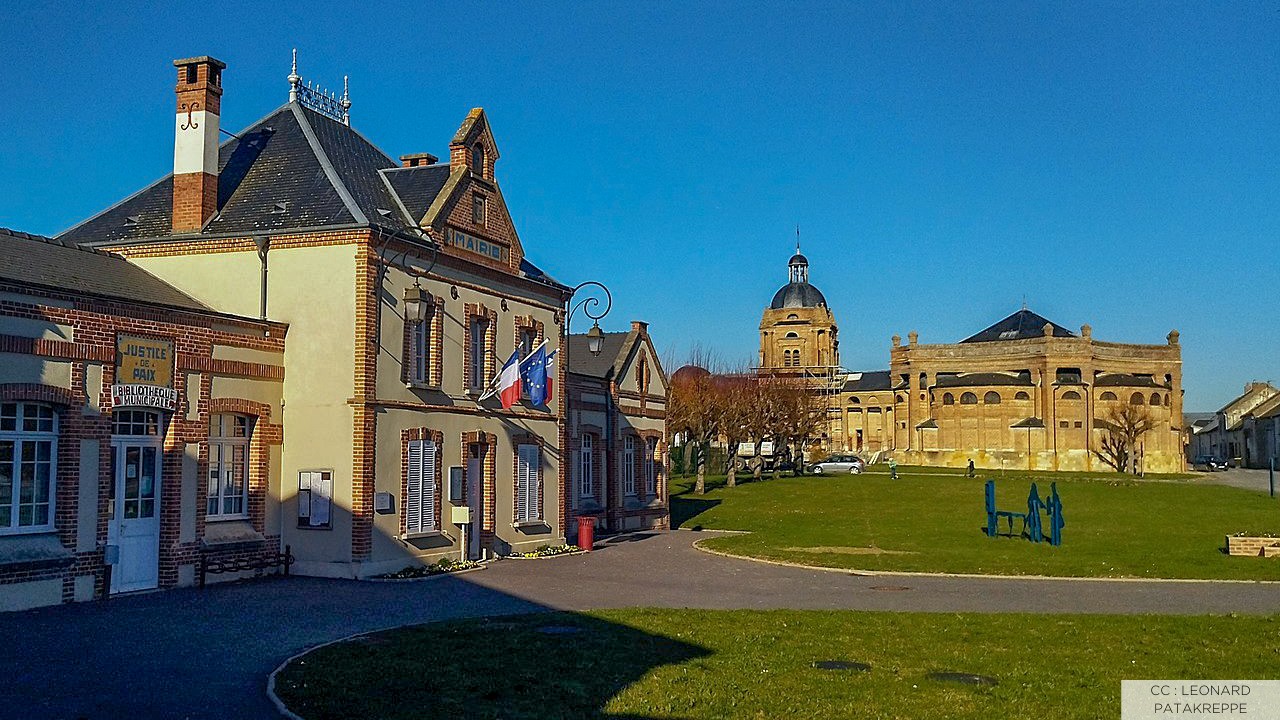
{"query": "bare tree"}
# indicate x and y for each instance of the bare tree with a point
(1123, 427)
(694, 408)
(734, 399)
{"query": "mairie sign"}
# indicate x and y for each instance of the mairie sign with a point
(471, 243)
(152, 396)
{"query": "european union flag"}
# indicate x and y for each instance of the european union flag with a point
(533, 375)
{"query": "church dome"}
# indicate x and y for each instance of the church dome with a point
(797, 295)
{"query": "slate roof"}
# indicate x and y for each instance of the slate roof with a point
(582, 362)
(417, 186)
(1270, 408)
(43, 262)
(871, 380)
(1127, 380)
(1018, 326)
(982, 379)
(797, 295)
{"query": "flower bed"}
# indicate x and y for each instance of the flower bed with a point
(440, 567)
(546, 551)
(1253, 545)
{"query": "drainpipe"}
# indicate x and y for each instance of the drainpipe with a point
(264, 244)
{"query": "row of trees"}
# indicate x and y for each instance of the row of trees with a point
(744, 410)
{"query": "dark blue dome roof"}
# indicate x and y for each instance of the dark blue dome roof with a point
(798, 259)
(797, 295)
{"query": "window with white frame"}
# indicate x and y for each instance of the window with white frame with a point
(628, 465)
(227, 495)
(28, 452)
(528, 470)
(650, 466)
(420, 492)
(586, 467)
(479, 332)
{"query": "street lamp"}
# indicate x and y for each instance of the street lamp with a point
(595, 339)
(595, 336)
(415, 302)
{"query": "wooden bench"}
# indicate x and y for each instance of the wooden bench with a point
(278, 560)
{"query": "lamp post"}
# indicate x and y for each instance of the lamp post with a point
(595, 343)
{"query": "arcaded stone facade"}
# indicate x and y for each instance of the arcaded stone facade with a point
(1024, 393)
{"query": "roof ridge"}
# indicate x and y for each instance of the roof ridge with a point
(330, 172)
(55, 241)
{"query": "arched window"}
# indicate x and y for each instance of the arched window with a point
(227, 495)
(628, 465)
(968, 399)
(1166, 400)
(477, 160)
(793, 316)
(1108, 395)
(1021, 396)
(948, 399)
(791, 335)
(871, 400)
(856, 401)
(899, 399)
(1155, 398)
(991, 398)
(28, 460)
(1071, 395)
(1136, 399)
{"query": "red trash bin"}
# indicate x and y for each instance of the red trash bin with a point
(586, 532)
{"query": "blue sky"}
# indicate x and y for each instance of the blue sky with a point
(1113, 165)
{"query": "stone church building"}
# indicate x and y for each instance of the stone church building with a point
(1025, 393)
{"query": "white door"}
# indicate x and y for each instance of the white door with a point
(135, 520)
(475, 497)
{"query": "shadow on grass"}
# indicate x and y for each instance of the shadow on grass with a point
(685, 505)
(545, 665)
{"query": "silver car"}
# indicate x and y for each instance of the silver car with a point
(838, 464)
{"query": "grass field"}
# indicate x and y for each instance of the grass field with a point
(932, 521)
(754, 664)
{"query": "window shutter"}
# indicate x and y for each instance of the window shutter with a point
(413, 491)
(527, 505)
(428, 503)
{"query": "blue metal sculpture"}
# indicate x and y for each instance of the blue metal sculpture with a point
(1032, 525)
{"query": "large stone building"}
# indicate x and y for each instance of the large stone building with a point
(1023, 393)
(153, 416)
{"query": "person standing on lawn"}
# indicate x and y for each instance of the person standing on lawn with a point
(970, 467)
(893, 469)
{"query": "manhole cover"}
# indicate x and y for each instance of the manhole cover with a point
(841, 665)
(559, 630)
(890, 588)
(964, 678)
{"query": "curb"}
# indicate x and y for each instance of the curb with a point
(697, 545)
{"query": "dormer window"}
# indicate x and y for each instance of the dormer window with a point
(477, 160)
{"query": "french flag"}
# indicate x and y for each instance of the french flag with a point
(551, 371)
(507, 385)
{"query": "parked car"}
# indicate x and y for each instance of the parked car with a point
(1208, 463)
(839, 464)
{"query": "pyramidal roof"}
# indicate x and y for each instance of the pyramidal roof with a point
(1018, 326)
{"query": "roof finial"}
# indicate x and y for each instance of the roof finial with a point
(345, 102)
(797, 238)
(294, 78)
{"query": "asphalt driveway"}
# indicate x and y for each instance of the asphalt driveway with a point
(206, 654)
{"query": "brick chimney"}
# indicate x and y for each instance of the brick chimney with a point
(195, 146)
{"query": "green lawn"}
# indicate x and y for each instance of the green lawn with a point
(932, 520)
(753, 664)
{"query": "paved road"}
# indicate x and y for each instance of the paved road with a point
(206, 654)
(1246, 478)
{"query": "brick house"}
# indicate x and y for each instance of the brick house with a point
(617, 432)
(136, 422)
(404, 285)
